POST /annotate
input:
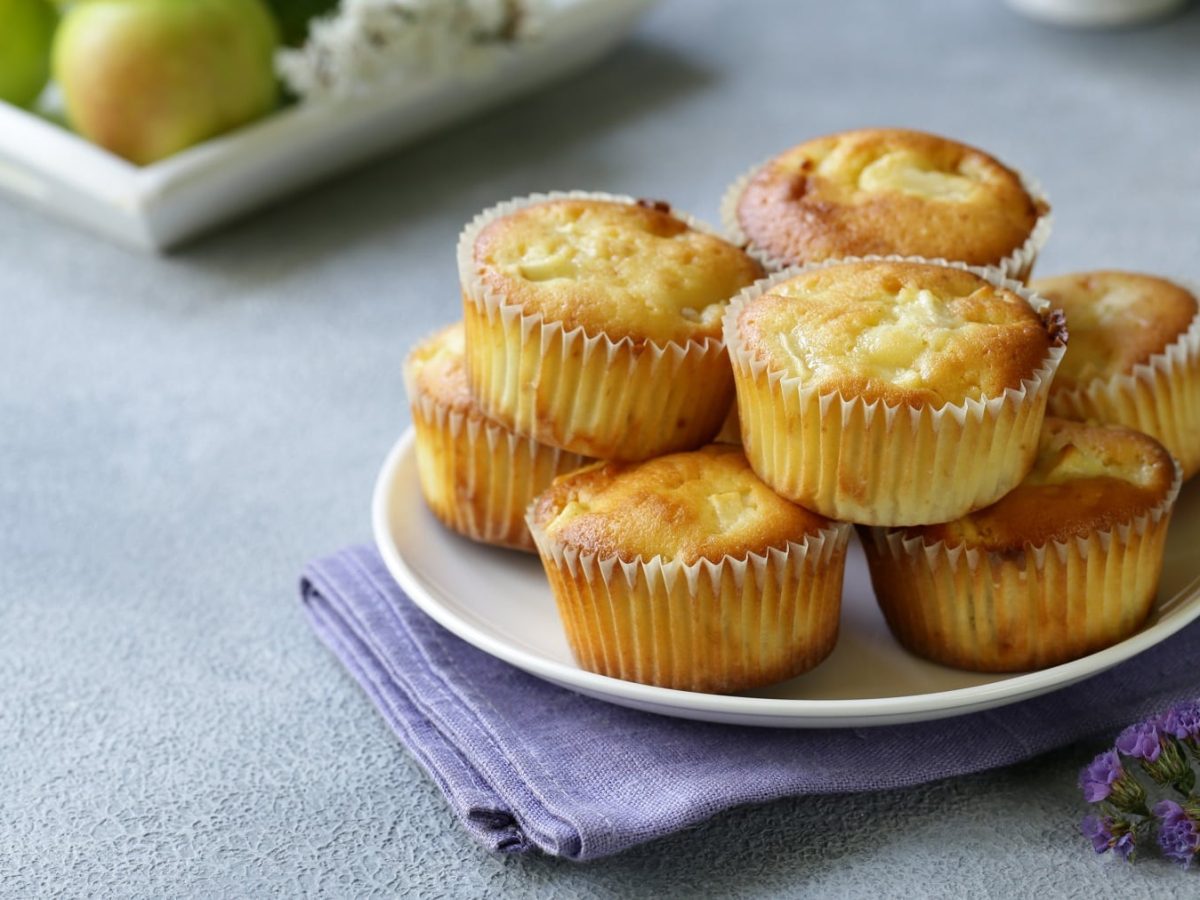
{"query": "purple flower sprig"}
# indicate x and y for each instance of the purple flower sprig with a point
(1160, 756)
(1178, 830)
(1123, 821)
(1110, 833)
(1182, 722)
(1105, 779)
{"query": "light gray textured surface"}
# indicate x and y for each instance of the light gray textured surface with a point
(178, 435)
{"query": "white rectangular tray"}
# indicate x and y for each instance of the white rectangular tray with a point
(157, 206)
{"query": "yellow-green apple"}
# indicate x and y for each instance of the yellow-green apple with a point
(26, 32)
(146, 78)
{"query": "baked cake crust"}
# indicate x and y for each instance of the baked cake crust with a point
(884, 191)
(900, 332)
(628, 271)
(1118, 320)
(1086, 478)
(704, 504)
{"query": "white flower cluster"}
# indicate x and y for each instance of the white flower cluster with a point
(368, 44)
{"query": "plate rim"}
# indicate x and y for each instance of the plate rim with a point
(725, 707)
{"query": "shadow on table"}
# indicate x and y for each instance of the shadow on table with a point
(517, 147)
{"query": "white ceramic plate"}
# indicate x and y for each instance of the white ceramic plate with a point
(499, 601)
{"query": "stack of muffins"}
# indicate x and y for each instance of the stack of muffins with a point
(892, 369)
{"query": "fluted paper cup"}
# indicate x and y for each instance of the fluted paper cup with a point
(622, 399)
(1009, 612)
(720, 627)
(876, 464)
(1160, 397)
(477, 476)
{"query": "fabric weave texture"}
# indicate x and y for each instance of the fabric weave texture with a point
(528, 766)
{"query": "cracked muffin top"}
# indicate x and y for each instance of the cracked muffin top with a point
(436, 368)
(887, 191)
(1117, 320)
(1086, 478)
(629, 271)
(703, 504)
(899, 332)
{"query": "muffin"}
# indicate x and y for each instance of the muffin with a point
(594, 322)
(886, 191)
(688, 572)
(1065, 565)
(1134, 357)
(477, 476)
(731, 429)
(891, 392)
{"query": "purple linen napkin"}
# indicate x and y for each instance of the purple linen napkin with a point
(527, 765)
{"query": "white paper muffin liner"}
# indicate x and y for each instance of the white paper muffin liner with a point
(586, 392)
(1160, 397)
(1008, 612)
(477, 476)
(876, 464)
(1017, 265)
(714, 627)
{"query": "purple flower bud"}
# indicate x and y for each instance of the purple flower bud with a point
(1124, 846)
(1159, 753)
(1096, 830)
(1182, 721)
(1178, 832)
(1104, 778)
(1107, 833)
(1100, 775)
(1140, 741)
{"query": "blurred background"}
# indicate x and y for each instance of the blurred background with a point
(155, 122)
(183, 430)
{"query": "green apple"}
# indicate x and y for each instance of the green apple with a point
(147, 78)
(26, 33)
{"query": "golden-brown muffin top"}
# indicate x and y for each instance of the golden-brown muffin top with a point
(706, 503)
(625, 270)
(436, 368)
(1086, 478)
(1117, 320)
(896, 331)
(882, 191)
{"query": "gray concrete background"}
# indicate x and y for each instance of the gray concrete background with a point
(178, 435)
